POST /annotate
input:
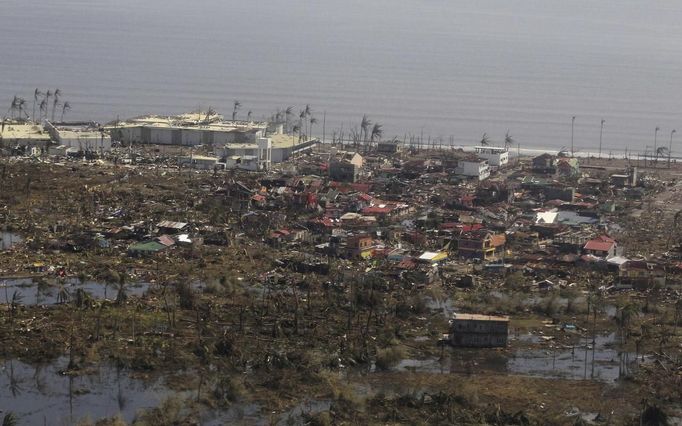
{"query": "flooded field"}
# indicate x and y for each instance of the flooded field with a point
(41, 394)
(605, 363)
(30, 291)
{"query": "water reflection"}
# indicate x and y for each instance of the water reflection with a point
(32, 291)
(37, 393)
(602, 361)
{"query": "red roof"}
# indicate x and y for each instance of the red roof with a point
(258, 197)
(602, 243)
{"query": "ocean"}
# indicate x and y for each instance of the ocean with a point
(448, 70)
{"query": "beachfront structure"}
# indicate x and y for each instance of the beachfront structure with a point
(496, 156)
(475, 330)
(189, 129)
(15, 134)
(473, 167)
(80, 136)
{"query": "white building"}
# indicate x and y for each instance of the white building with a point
(475, 168)
(81, 136)
(189, 129)
(248, 156)
(496, 156)
(243, 162)
(23, 134)
(281, 147)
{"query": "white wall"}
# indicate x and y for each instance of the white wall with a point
(480, 170)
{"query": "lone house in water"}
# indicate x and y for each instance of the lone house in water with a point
(475, 330)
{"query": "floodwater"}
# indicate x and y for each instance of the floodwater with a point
(431, 67)
(35, 292)
(608, 366)
(41, 395)
(9, 240)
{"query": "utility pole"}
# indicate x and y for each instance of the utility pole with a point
(572, 126)
(601, 133)
(655, 139)
(670, 148)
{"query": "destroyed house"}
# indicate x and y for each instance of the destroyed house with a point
(481, 244)
(474, 330)
(567, 167)
(544, 164)
(170, 227)
(344, 171)
(642, 275)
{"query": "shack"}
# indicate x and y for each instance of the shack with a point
(479, 331)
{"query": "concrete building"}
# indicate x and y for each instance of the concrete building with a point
(15, 134)
(474, 330)
(282, 147)
(496, 156)
(80, 136)
(243, 162)
(473, 167)
(189, 129)
(248, 156)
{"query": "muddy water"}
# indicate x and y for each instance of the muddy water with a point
(32, 292)
(41, 395)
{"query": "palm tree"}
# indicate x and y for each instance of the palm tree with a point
(36, 93)
(10, 419)
(237, 105)
(485, 140)
(508, 140)
(364, 126)
(308, 114)
(43, 108)
(13, 106)
(661, 151)
(47, 101)
(296, 128)
(57, 93)
(313, 121)
(248, 115)
(287, 115)
(21, 102)
(376, 134)
(67, 107)
(301, 122)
